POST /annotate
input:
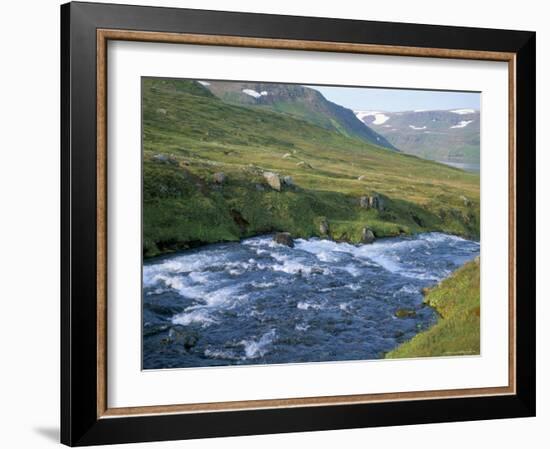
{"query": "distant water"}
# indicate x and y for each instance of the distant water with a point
(257, 302)
(471, 167)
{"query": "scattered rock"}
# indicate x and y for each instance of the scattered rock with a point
(405, 313)
(361, 178)
(288, 181)
(376, 202)
(287, 155)
(284, 238)
(161, 111)
(324, 227)
(165, 159)
(466, 201)
(425, 291)
(367, 236)
(219, 178)
(303, 164)
(273, 180)
(364, 202)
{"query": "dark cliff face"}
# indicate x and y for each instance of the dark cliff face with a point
(301, 102)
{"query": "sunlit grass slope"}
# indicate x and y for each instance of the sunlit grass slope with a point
(456, 300)
(189, 135)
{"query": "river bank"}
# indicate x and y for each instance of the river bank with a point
(457, 331)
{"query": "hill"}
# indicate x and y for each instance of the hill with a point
(204, 177)
(298, 101)
(450, 136)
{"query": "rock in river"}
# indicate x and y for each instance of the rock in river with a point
(284, 238)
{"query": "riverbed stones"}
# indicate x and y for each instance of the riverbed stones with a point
(273, 180)
(284, 238)
(219, 178)
(324, 227)
(367, 236)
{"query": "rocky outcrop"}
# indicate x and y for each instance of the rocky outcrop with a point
(284, 238)
(364, 202)
(367, 236)
(372, 202)
(273, 180)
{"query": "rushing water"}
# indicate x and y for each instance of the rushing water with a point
(257, 302)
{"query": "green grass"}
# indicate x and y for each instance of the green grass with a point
(456, 299)
(183, 207)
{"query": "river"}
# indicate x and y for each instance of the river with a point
(257, 302)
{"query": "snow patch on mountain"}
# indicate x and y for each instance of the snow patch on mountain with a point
(379, 117)
(204, 83)
(255, 94)
(462, 124)
(418, 128)
(463, 111)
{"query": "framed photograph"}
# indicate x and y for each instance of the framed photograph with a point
(280, 224)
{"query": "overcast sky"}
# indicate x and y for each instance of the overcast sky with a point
(392, 100)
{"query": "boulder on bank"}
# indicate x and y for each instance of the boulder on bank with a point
(273, 180)
(364, 202)
(324, 227)
(219, 178)
(367, 236)
(284, 238)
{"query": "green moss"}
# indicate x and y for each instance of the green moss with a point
(456, 300)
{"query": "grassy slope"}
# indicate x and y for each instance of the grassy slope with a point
(456, 299)
(204, 135)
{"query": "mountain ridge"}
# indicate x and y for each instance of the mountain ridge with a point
(448, 135)
(298, 101)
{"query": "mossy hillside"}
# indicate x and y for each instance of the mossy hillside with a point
(456, 299)
(203, 135)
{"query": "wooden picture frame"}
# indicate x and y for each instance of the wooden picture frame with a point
(86, 419)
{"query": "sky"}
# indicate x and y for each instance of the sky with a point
(393, 100)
